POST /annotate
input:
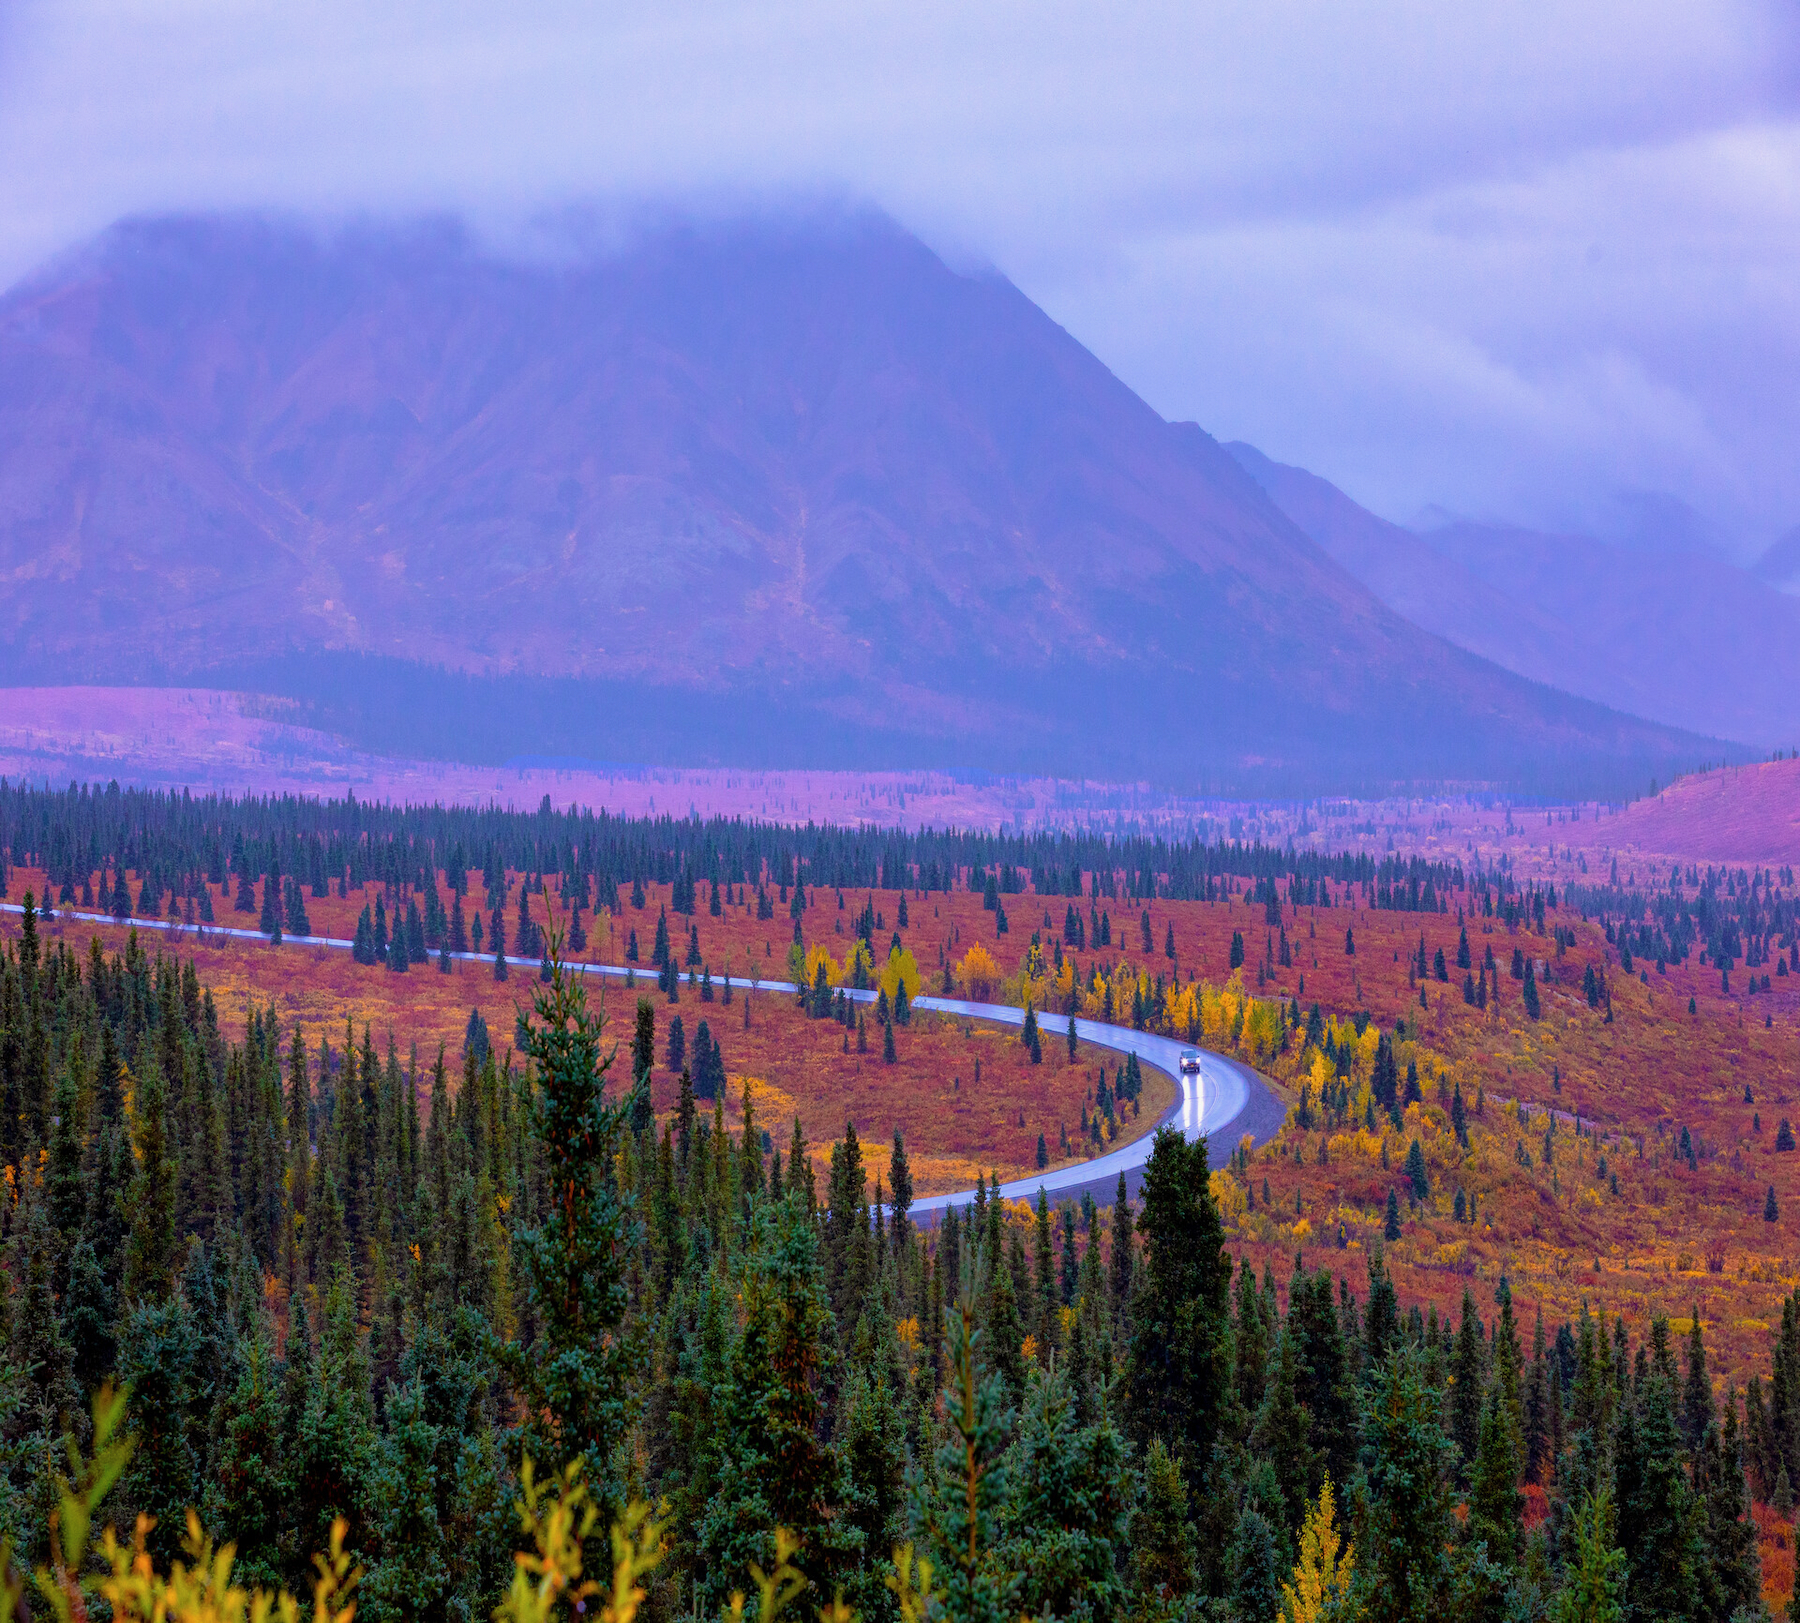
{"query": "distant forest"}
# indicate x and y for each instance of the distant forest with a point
(171, 843)
(174, 838)
(345, 1288)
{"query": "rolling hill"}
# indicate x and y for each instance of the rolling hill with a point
(782, 493)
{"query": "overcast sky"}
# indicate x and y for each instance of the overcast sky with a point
(1521, 261)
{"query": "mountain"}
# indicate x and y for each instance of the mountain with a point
(1684, 637)
(1780, 565)
(787, 492)
(1677, 634)
(1411, 576)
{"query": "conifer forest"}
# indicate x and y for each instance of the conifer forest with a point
(486, 1331)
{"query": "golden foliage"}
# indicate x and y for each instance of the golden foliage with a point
(1321, 1582)
(204, 1592)
(197, 1591)
(1181, 1009)
(1261, 1031)
(556, 1517)
(911, 1585)
(1228, 1194)
(778, 1590)
(978, 973)
(860, 956)
(901, 969)
(819, 955)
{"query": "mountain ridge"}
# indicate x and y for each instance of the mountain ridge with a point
(1679, 635)
(766, 483)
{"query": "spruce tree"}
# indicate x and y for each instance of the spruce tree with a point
(1122, 1256)
(1409, 1520)
(1537, 1408)
(1003, 1325)
(89, 1313)
(248, 1485)
(643, 1040)
(960, 1500)
(1322, 1343)
(1468, 1376)
(1730, 1575)
(1049, 1300)
(1177, 1368)
(150, 1249)
(67, 1191)
(901, 1184)
(572, 1263)
(1594, 1577)
(776, 1471)
(1256, 1566)
(1656, 1522)
(156, 1359)
(1495, 1503)
(1071, 1476)
(1697, 1395)
(1282, 1433)
(1416, 1172)
(37, 1345)
(412, 1577)
(1250, 1342)
(1162, 1556)
(336, 1433)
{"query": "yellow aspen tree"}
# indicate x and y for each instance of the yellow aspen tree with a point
(1320, 1590)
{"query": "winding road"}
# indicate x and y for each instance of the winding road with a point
(1227, 1100)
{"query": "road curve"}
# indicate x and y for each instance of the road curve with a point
(1227, 1100)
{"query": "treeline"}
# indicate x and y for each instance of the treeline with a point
(343, 1282)
(170, 841)
(1742, 916)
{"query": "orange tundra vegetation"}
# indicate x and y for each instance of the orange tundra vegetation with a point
(1675, 1237)
(964, 1094)
(1626, 1152)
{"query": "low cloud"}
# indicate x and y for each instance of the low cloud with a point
(1517, 262)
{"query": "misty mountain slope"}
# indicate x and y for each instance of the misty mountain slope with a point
(1413, 577)
(778, 492)
(1780, 565)
(1680, 636)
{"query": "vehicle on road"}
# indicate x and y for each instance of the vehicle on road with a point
(1190, 1062)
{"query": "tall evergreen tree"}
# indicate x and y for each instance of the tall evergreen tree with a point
(571, 1263)
(1122, 1257)
(150, 1250)
(1656, 1522)
(1409, 1516)
(1178, 1366)
(958, 1503)
(1069, 1514)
